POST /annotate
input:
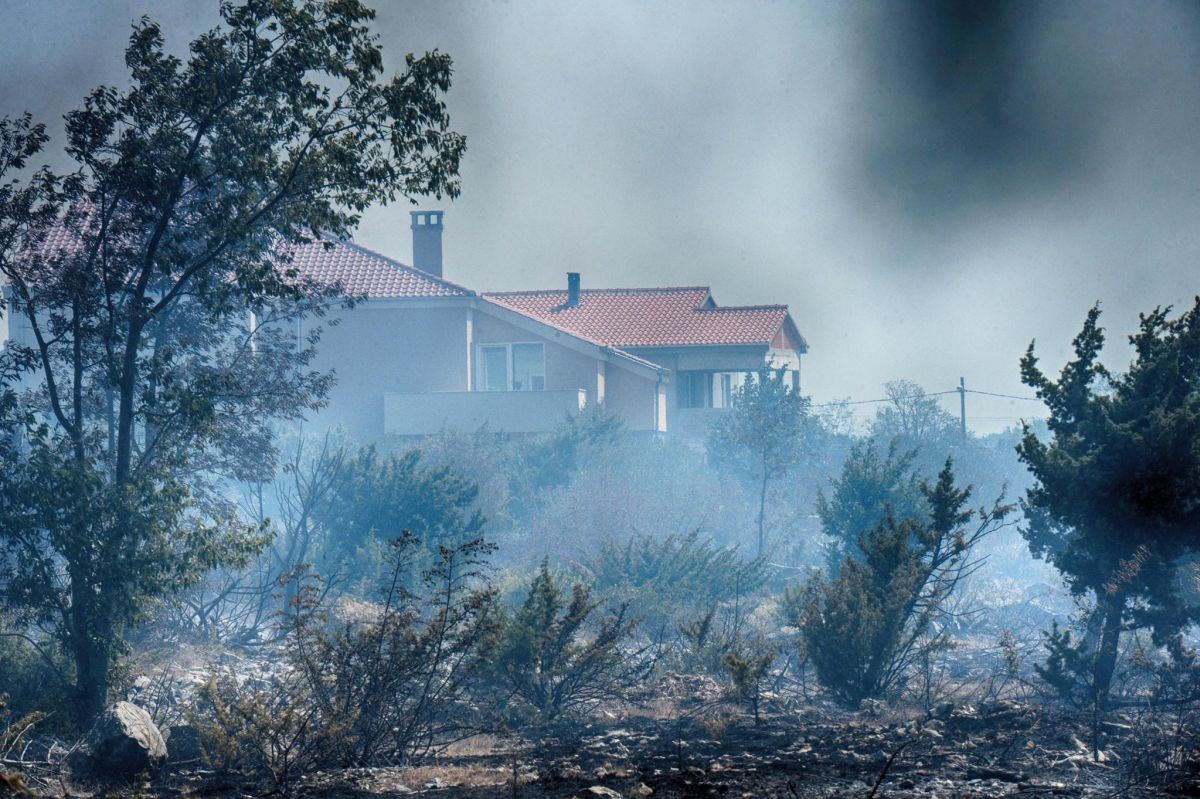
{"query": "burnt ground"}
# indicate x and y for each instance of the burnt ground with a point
(1004, 748)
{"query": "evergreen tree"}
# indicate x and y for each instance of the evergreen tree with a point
(1116, 504)
(865, 628)
(869, 488)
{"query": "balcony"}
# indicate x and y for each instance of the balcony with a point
(467, 411)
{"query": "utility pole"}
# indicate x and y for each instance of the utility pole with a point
(962, 407)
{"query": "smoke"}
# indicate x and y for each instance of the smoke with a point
(929, 185)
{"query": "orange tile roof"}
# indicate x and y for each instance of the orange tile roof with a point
(652, 317)
(360, 272)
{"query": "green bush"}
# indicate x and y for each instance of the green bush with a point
(555, 655)
(864, 629)
(669, 581)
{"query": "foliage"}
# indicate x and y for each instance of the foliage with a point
(706, 640)
(868, 488)
(1067, 667)
(664, 580)
(764, 432)
(270, 729)
(1117, 499)
(864, 629)
(138, 273)
(747, 666)
(363, 691)
(376, 496)
(551, 460)
(36, 680)
(914, 420)
(555, 655)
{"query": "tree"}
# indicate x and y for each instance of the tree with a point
(1116, 503)
(911, 415)
(138, 274)
(869, 488)
(765, 431)
(867, 627)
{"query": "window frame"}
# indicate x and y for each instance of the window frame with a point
(481, 380)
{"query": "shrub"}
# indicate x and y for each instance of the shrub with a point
(864, 629)
(367, 691)
(747, 666)
(555, 655)
(665, 580)
(273, 729)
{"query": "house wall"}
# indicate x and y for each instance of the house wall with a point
(386, 354)
(631, 396)
(565, 368)
(385, 347)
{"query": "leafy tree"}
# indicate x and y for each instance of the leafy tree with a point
(138, 273)
(1116, 505)
(765, 431)
(866, 628)
(869, 487)
(913, 418)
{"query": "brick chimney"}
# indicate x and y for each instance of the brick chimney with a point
(427, 241)
(572, 289)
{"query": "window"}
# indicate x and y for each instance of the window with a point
(709, 389)
(494, 365)
(528, 367)
(695, 389)
(512, 367)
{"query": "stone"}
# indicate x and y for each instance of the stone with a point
(125, 743)
(600, 791)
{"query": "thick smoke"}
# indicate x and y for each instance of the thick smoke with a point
(928, 185)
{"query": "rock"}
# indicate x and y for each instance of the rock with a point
(642, 790)
(599, 791)
(124, 743)
(873, 707)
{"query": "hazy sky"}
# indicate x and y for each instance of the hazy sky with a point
(927, 185)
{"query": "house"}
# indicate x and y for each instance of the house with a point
(419, 353)
(422, 353)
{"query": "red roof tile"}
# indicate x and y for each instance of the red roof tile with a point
(655, 317)
(363, 273)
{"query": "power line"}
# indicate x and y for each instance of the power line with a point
(886, 399)
(1006, 396)
(922, 396)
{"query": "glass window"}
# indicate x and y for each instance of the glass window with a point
(695, 390)
(495, 368)
(529, 367)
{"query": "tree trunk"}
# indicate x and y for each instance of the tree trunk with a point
(1106, 652)
(90, 647)
(762, 511)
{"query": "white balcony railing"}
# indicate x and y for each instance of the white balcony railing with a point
(502, 411)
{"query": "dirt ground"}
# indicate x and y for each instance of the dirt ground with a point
(1004, 748)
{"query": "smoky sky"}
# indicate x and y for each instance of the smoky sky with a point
(928, 185)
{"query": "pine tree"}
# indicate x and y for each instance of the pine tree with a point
(1116, 504)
